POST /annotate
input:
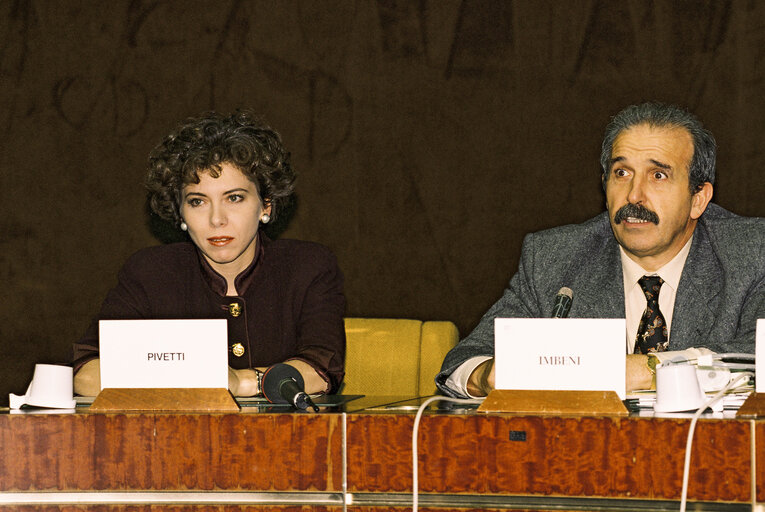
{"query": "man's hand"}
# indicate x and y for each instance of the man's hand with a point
(638, 374)
(481, 381)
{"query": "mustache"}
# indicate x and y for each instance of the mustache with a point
(637, 211)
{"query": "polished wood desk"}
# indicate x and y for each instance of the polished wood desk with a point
(594, 457)
(360, 459)
(269, 452)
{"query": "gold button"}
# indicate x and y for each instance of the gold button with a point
(237, 349)
(235, 309)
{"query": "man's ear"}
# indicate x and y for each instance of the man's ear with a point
(701, 199)
(603, 183)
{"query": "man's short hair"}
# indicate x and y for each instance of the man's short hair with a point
(659, 115)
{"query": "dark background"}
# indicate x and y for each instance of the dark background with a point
(430, 135)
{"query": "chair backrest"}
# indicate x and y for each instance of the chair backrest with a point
(394, 356)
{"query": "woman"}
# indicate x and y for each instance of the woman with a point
(219, 178)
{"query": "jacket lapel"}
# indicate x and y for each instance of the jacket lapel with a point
(697, 295)
(598, 284)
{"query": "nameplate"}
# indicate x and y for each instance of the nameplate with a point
(577, 354)
(759, 356)
(164, 353)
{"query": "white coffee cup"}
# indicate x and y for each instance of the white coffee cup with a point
(51, 386)
(677, 388)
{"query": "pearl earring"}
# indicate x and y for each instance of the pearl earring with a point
(184, 227)
(265, 218)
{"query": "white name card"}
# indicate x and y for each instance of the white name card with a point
(581, 354)
(759, 357)
(164, 353)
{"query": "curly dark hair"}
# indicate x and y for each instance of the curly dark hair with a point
(205, 143)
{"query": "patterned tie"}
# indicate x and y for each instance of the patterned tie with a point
(652, 333)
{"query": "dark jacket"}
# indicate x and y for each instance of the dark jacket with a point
(291, 303)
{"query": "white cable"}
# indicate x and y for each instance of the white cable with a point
(735, 355)
(718, 396)
(425, 404)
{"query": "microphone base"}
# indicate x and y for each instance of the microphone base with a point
(303, 402)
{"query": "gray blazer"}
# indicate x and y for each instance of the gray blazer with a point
(720, 296)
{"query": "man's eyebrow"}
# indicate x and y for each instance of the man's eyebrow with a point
(661, 164)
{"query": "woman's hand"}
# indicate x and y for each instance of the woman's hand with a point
(243, 382)
(313, 382)
(87, 380)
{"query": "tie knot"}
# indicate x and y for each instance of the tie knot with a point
(651, 286)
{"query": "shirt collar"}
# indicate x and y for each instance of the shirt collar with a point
(670, 272)
(218, 283)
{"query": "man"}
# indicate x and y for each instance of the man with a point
(683, 272)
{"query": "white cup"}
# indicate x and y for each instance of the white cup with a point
(677, 388)
(51, 386)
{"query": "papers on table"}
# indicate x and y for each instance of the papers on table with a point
(730, 402)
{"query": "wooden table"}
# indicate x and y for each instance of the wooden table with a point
(362, 460)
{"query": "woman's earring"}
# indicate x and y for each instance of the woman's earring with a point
(265, 218)
(184, 227)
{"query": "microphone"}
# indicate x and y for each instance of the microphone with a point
(283, 384)
(562, 303)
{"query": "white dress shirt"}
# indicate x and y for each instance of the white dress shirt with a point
(634, 306)
(634, 298)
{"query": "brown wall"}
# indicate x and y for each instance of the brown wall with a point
(430, 135)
